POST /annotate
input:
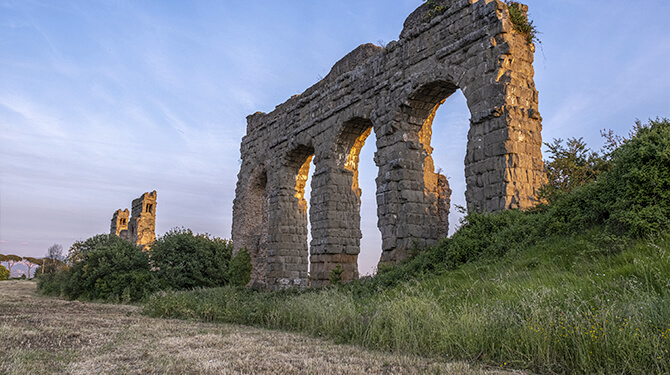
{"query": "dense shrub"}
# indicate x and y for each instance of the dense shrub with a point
(4, 273)
(240, 268)
(183, 260)
(570, 166)
(633, 198)
(53, 283)
(109, 268)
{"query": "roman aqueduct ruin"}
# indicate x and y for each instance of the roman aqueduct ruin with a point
(394, 91)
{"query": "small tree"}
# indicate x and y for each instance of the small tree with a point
(4, 273)
(336, 275)
(53, 260)
(11, 261)
(570, 166)
(31, 262)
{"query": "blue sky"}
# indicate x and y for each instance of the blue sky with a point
(101, 101)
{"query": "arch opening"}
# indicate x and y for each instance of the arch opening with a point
(443, 171)
(295, 224)
(444, 104)
(416, 197)
(360, 162)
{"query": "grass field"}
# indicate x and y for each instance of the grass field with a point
(563, 306)
(42, 335)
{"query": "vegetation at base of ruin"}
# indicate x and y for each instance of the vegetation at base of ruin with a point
(184, 260)
(521, 23)
(240, 268)
(4, 273)
(336, 275)
(108, 268)
(580, 284)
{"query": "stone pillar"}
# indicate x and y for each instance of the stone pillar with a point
(503, 164)
(142, 225)
(287, 253)
(335, 218)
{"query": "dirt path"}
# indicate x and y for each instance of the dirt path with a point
(41, 335)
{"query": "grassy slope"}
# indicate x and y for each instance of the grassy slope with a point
(561, 305)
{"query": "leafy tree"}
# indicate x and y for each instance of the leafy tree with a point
(636, 192)
(11, 261)
(183, 260)
(570, 166)
(633, 197)
(240, 268)
(108, 268)
(31, 262)
(54, 260)
(4, 273)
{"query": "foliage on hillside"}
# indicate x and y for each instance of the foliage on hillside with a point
(580, 284)
(4, 273)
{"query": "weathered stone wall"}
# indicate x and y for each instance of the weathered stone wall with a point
(140, 228)
(394, 92)
(119, 225)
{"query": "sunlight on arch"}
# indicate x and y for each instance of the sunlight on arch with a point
(449, 140)
(303, 187)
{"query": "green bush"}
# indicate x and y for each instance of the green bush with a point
(633, 198)
(636, 191)
(183, 260)
(4, 273)
(240, 268)
(53, 283)
(109, 268)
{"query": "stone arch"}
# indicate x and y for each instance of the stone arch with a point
(335, 211)
(472, 46)
(414, 200)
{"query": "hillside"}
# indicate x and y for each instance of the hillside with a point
(580, 284)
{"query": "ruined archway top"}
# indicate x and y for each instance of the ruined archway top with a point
(363, 57)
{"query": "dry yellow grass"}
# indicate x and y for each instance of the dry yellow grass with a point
(40, 335)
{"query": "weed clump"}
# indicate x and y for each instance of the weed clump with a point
(519, 18)
(434, 9)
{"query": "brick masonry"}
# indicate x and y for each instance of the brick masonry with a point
(389, 95)
(140, 227)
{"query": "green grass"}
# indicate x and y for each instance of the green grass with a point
(578, 285)
(563, 305)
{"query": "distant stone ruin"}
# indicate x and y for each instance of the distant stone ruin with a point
(140, 228)
(395, 91)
